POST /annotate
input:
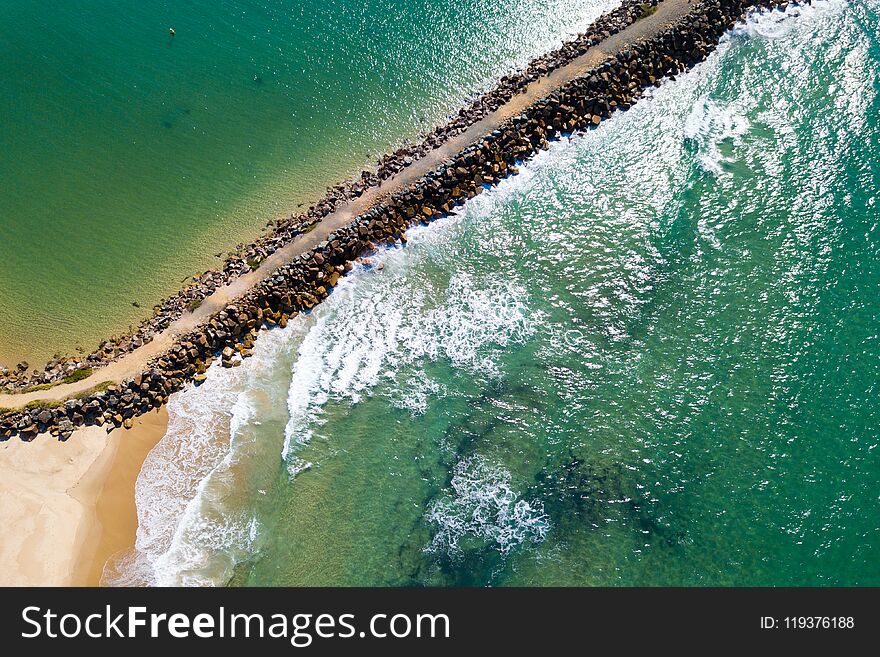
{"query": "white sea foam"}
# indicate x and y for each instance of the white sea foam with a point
(415, 393)
(187, 533)
(708, 125)
(778, 23)
(376, 324)
(379, 323)
(482, 506)
(711, 123)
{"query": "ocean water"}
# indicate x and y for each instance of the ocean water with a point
(129, 158)
(649, 359)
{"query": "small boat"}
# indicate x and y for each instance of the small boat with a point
(171, 31)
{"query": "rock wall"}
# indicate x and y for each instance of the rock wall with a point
(247, 257)
(300, 285)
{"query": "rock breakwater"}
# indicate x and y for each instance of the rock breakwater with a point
(247, 258)
(300, 285)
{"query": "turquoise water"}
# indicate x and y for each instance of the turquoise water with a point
(128, 158)
(649, 359)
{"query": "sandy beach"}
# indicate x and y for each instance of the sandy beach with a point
(67, 507)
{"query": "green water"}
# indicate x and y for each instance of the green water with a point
(128, 158)
(649, 359)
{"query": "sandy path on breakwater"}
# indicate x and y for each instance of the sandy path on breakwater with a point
(67, 507)
(668, 12)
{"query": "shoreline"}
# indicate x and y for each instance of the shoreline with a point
(113, 525)
(69, 506)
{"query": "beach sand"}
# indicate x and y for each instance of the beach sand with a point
(67, 507)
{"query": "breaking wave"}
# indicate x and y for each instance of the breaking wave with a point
(377, 325)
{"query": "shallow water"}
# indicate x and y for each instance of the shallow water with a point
(128, 158)
(649, 359)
